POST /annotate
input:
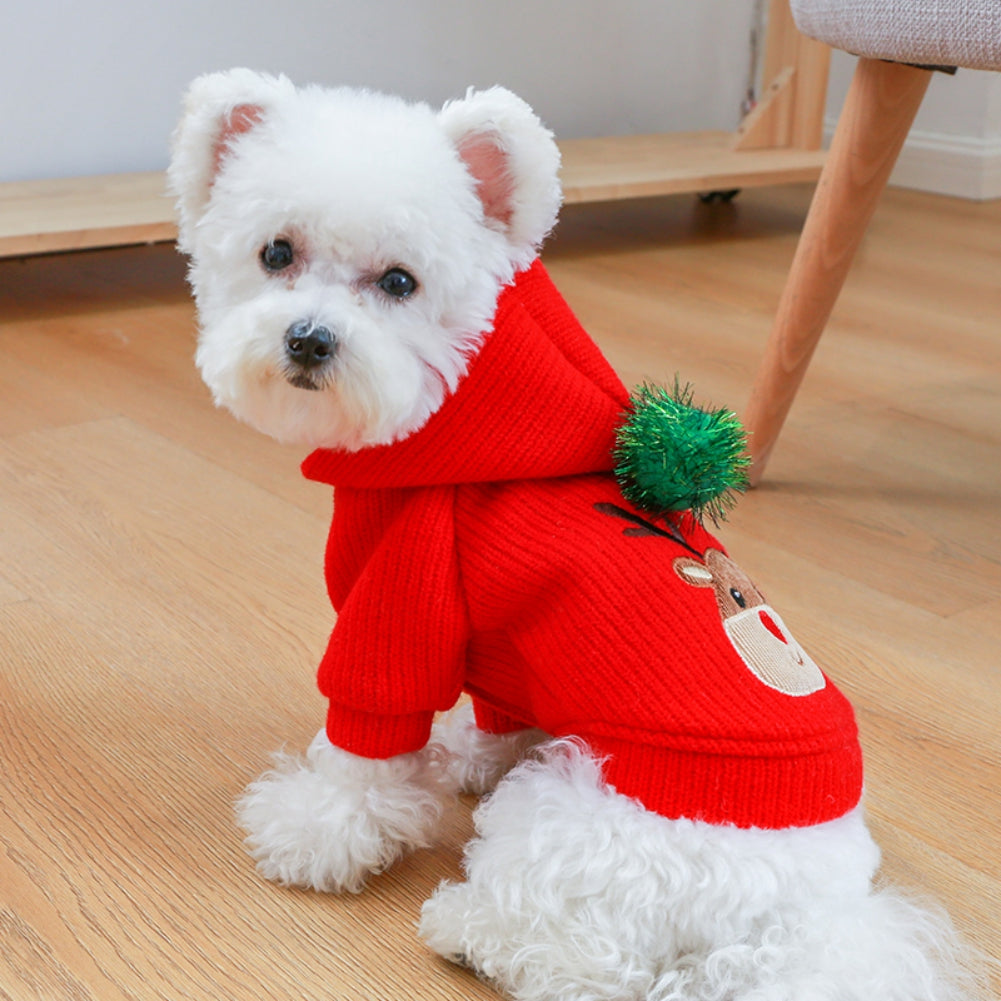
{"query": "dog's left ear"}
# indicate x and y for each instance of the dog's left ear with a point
(515, 162)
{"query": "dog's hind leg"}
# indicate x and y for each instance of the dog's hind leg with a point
(575, 893)
(536, 915)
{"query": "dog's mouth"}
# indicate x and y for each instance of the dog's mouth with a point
(313, 382)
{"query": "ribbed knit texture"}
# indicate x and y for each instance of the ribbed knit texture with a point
(483, 553)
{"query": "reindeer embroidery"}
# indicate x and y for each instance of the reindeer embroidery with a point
(755, 629)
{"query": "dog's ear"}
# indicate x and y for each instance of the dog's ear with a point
(515, 162)
(218, 109)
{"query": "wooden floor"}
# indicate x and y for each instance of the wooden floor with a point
(162, 607)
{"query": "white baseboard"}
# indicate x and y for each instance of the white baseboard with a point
(960, 166)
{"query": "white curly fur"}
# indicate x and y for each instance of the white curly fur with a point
(477, 760)
(330, 820)
(575, 893)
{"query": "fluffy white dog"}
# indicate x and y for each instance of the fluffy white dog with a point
(674, 785)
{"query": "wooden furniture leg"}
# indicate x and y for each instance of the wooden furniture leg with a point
(879, 109)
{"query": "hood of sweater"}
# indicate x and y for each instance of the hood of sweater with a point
(538, 400)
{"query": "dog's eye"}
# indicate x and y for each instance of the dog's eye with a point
(398, 283)
(277, 255)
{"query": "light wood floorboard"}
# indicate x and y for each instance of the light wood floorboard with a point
(162, 605)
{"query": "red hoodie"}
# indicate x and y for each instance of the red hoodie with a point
(493, 552)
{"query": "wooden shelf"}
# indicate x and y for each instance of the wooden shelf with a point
(39, 217)
(607, 169)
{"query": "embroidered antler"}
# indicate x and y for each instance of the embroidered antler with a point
(643, 527)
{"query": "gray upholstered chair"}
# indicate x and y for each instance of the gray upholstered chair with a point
(900, 43)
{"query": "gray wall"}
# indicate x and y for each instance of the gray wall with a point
(95, 87)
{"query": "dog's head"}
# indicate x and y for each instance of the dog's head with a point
(347, 248)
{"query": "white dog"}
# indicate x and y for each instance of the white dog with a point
(368, 286)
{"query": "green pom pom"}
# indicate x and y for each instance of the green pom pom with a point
(673, 456)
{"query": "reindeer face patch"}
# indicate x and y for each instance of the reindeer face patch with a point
(754, 628)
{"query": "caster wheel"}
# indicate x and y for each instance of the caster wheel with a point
(718, 197)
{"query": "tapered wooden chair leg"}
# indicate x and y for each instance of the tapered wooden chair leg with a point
(879, 109)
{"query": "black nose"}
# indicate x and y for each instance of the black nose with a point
(309, 346)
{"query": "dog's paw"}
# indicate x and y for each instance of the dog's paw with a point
(476, 760)
(331, 819)
(443, 923)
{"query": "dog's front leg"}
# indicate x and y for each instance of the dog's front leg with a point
(329, 820)
(478, 760)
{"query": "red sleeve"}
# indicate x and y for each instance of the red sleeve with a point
(397, 652)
